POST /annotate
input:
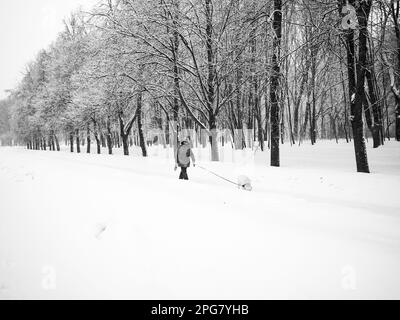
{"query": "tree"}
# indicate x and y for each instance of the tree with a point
(356, 74)
(5, 128)
(394, 10)
(275, 85)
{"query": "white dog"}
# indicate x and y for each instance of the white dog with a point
(244, 183)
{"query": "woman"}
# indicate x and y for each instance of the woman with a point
(182, 159)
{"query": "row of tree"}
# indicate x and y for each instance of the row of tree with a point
(285, 70)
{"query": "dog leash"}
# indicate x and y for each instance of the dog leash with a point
(217, 175)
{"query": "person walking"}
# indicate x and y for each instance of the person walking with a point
(182, 159)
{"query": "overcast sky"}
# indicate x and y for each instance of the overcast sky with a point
(26, 26)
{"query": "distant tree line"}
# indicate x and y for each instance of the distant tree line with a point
(285, 71)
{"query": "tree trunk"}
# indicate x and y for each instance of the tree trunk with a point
(396, 94)
(395, 16)
(211, 80)
(260, 130)
(254, 99)
(88, 142)
(167, 132)
(96, 137)
(78, 144)
(124, 136)
(57, 142)
(51, 141)
(109, 138)
(375, 105)
(275, 75)
(125, 144)
(304, 82)
(176, 83)
(142, 140)
(98, 143)
(356, 84)
(385, 102)
(345, 102)
(313, 121)
(71, 141)
(103, 140)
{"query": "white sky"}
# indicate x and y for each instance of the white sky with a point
(26, 27)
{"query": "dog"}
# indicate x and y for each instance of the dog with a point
(244, 183)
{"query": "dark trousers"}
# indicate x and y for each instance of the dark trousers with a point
(183, 175)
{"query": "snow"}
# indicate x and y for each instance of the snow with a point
(77, 226)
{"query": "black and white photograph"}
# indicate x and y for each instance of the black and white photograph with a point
(199, 150)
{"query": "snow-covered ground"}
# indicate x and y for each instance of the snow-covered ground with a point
(99, 226)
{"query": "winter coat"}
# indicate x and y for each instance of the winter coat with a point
(183, 156)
